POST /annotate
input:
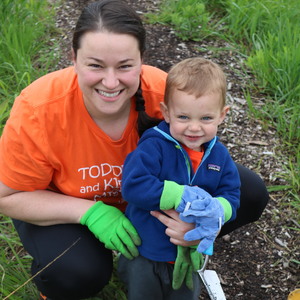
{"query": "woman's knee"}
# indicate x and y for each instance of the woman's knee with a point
(67, 278)
(68, 261)
(254, 194)
(253, 200)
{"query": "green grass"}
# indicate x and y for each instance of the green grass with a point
(24, 56)
(14, 265)
(189, 18)
(24, 53)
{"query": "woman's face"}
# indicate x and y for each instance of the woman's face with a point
(108, 66)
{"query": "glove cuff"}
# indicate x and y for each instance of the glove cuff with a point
(226, 207)
(171, 195)
(89, 212)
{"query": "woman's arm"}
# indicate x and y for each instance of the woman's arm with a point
(41, 207)
(176, 228)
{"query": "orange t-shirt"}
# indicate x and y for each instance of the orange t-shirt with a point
(195, 156)
(51, 142)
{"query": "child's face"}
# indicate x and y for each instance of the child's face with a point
(194, 121)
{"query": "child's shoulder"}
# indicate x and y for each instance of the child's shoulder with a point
(220, 148)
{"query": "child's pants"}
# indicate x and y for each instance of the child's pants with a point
(150, 280)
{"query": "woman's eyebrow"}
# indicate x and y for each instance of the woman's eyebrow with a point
(101, 61)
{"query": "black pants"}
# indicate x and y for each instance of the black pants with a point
(152, 280)
(87, 266)
(254, 198)
(80, 273)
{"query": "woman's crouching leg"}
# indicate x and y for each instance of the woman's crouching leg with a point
(68, 261)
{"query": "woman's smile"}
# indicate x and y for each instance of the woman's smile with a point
(109, 96)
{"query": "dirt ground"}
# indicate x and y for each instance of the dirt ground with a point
(256, 261)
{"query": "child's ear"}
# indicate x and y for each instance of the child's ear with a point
(224, 112)
(165, 111)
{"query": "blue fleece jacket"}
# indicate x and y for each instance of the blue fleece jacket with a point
(159, 159)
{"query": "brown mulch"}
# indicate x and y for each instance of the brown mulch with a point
(256, 261)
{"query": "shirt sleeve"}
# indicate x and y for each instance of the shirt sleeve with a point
(23, 146)
(153, 86)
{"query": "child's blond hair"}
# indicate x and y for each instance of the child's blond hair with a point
(196, 76)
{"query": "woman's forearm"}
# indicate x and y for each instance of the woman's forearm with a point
(42, 207)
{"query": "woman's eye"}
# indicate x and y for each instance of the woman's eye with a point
(95, 66)
(125, 67)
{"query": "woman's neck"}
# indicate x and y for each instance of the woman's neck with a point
(113, 125)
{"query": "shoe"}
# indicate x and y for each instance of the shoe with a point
(42, 297)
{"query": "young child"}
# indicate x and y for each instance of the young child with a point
(180, 164)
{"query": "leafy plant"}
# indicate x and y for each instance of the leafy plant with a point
(14, 263)
(188, 18)
(24, 56)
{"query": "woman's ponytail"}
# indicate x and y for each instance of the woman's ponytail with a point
(144, 121)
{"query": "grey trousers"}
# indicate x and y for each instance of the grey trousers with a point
(150, 280)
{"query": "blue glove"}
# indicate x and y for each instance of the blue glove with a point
(190, 194)
(208, 215)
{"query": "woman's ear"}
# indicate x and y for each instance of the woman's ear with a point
(165, 111)
(73, 57)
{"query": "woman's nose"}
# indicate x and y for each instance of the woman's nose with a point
(110, 79)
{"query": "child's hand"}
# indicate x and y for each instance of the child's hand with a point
(208, 214)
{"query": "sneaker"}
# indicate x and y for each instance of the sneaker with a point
(42, 297)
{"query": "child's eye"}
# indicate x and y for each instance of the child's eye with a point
(181, 117)
(207, 118)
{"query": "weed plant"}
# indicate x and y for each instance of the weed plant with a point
(270, 34)
(14, 265)
(189, 18)
(24, 54)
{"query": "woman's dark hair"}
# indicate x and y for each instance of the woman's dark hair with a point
(144, 121)
(112, 16)
(117, 17)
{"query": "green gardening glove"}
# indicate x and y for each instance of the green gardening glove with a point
(112, 228)
(188, 261)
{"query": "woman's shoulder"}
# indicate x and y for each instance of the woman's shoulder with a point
(51, 86)
(153, 82)
(153, 70)
(153, 77)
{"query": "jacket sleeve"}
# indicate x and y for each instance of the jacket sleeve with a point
(141, 185)
(228, 191)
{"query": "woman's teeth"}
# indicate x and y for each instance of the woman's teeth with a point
(109, 95)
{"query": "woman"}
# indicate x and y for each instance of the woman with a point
(65, 143)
